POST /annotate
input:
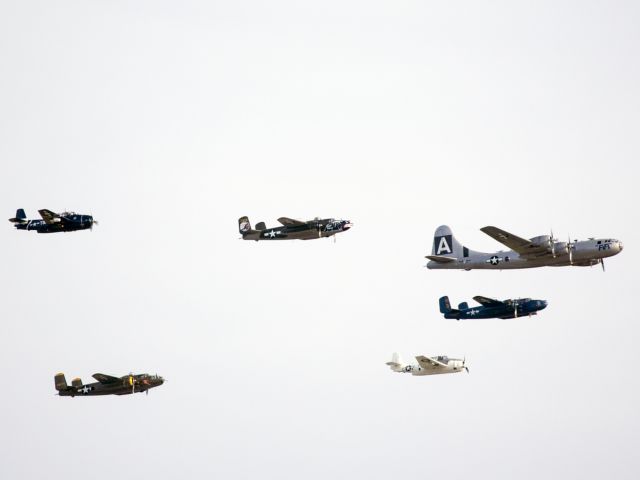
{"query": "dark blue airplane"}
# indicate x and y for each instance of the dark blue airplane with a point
(53, 222)
(491, 308)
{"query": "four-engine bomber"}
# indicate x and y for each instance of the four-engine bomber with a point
(540, 251)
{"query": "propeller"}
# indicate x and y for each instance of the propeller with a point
(570, 250)
(552, 242)
(93, 222)
(602, 263)
(464, 360)
(515, 308)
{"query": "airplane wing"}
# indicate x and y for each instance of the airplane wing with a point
(429, 363)
(515, 243)
(102, 378)
(487, 302)
(289, 222)
(48, 216)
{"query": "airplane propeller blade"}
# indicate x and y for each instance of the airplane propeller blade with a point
(570, 250)
(602, 263)
(552, 241)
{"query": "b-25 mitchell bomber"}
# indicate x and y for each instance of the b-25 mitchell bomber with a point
(293, 229)
(491, 308)
(107, 385)
(541, 251)
(428, 365)
(53, 222)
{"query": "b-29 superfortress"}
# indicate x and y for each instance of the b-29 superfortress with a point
(541, 251)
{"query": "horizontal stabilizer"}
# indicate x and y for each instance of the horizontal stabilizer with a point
(441, 259)
(20, 217)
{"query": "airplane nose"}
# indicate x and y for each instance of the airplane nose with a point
(620, 246)
(347, 225)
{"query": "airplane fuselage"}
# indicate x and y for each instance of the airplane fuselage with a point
(72, 224)
(126, 386)
(453, 366)
(583, 253)
(323, 229)
(510, 309)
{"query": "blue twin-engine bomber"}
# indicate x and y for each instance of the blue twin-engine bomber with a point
(490, 308)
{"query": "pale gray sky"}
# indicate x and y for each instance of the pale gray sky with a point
(169, 120)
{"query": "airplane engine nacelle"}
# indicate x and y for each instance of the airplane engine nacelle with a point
(560, 248)
(542, 240)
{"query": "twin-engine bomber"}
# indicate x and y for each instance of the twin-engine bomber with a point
(541, 251)
(53, 222)
(491, 308)
(293, 229)
(107, 385)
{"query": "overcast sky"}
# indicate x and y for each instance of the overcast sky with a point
(169, 120)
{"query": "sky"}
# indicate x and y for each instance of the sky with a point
(169, 120)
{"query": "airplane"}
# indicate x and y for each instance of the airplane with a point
(428, 365)
(53, 222)
(491, 308)
(107, 385)
(293, 229)
(541, 251)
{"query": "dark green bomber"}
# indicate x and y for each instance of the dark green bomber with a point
(293, 229)
(107, 385)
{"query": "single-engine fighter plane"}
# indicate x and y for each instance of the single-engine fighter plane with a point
(107, 385)
(491, 308)
(53, 222)
(541, 251)
(428, 365)
(293, 229)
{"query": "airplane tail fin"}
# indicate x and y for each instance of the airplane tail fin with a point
(60, 382)
(76, 383)
(445, 305)
(396, 363)
(244, 226)
(463, 306)
(446, 245)
(261, 226)
(20, 217)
